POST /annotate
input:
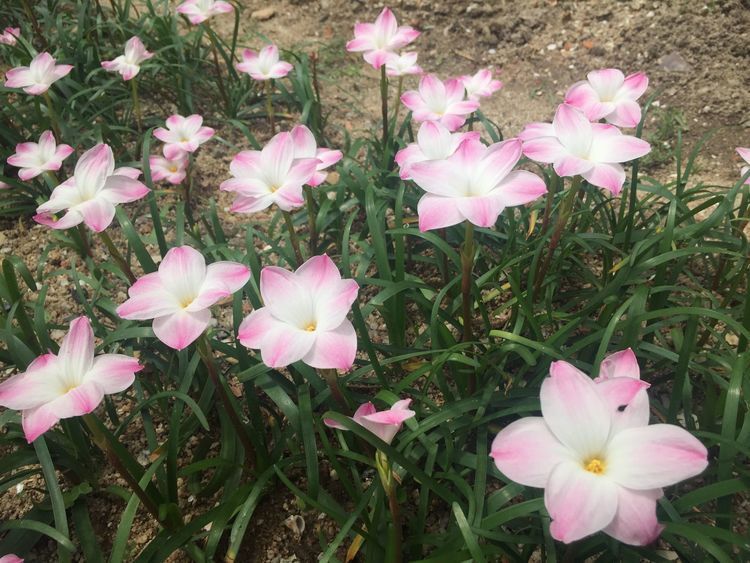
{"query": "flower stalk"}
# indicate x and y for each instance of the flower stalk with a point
(384, 107)
(467, 266)
(387, 480)
(204, 348)
(219, 77)
(293, 237)
(331, 377)
(566, 207)
(136, 105)
(269, 105)
(53, 120)
(102, 442)
(117, 256)
(312, 216)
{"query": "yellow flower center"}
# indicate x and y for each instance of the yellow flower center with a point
(311, 327)
(595, 466)
(173, 168)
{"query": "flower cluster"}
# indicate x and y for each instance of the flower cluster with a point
(181, 138)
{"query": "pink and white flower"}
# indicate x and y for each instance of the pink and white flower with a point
(384, 424)
(613, 374)
(745, 154)
(264, 65)
(34, 159)
(305, 146)
(402, 65)
(474, 184)
(178, 296)
(198, 11)
(129, 64)
(434, 142)
(70, 383)
(9, 37)
(303, 317)
(598, 475)
(608, 94)
(381, 39)
(575, 146)
(91, 194)
(36, 78)
(183, 135)
(480, 84)
(172, 170)
(439, 101)
(272, 175)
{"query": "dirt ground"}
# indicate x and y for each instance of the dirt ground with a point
(695, 53)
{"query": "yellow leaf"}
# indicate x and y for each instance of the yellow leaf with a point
(351, 553)
(532, 221)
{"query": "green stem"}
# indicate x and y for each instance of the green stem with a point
(467, 265)
(54, 121)
(269, 105)
(118, 257)
(562, 219)
(204, 348)
(385, 472)
(384, 109)
(103, 444)
(397, 104)
(188, 184)
(136, 106)
(554, 182)
(331, 377)
(215, 53)
(293, 237)
(312, 215)
(85, 246)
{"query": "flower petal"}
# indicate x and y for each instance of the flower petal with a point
(182, 328)
(113, 373)
(580, 503)
(526, 451)
(149, 298)
(436, 212)
(77, 349)
(649, 457)
(635, 522)
(574, 410)
(333, 349)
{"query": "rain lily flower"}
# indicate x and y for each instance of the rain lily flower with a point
(8, 37)
(272, 175)
(36, 78)
(198, 11)
(303, 317)
(608, 94)
(129, 64)
(576, 146)
(264, 65)
(745, 154)
(481, 84)
(383, 424)
(403, 64)
(70, 383)
(172, 170)
(183, 135)
(434, 142)
(36, 158)
(381, 39)
(179, 295)
(474, 184)
(597, 475)
(4, 186)
(91, 194)
(439, 101)
(305, 146)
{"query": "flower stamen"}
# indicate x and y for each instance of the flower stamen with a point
(595, 466)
